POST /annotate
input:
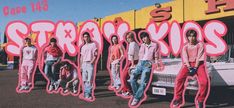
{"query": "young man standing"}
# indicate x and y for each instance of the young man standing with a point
(89, 52)
(28, 64)
(115, 58)
(148, 56)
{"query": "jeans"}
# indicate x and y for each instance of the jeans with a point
(115, 72)
(50, 72)
(142, 69)
(87, 78)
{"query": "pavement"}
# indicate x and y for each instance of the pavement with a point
(39, 98)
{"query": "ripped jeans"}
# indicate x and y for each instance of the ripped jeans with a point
(142, 69)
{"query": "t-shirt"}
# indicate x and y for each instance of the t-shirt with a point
(29, 53)
(88, 51)
(133, 50)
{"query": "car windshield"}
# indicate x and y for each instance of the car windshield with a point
(227, 57)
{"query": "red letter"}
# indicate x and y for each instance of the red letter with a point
(213, 4)
(161, 14)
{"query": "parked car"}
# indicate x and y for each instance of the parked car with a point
(220, 73)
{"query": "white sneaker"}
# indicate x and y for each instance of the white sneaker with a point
(56, 86)
(66, 91)
(26, 88)
(51, 88)
(125, 93)
(134, 102)
(89, 98)
(22, 88)
(75, 91)
(117, 88)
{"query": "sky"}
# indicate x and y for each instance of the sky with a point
(72, 10)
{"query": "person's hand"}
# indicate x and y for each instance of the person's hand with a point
(132, 66)
(192, 71)
(158, 67)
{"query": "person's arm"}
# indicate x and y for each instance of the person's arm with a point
(121, 53)
(45, 55)
(185, 56)
(36, 54)
(21, 54)
(95, 53)
(157, 58)
(131, 54)
(60, 73)
(81, 60)
(157, 55)
(74, 77)
(109, 60)
(200, 55)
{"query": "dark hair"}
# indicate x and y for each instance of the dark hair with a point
(53, 40)
(191, 32)
(68, 64)
(86, 33)
(116, 38)
(131, 34)
(27, 39)
(144, 34)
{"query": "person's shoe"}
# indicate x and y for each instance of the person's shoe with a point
(26, 88)
(176, 103)
(75, 91)
(22, 88)
(134, 102)
(51, 88)
(89, 98)
(200, 104)
(56, 86)
(66, 91)
(117, 88)
(125, 94)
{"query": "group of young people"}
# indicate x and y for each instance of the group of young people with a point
(128, 80)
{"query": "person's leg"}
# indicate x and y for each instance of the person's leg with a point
(203, 83)
(47, 70)
(118, 81)
(75, 86)
(63, 83)
(134, 77)
(113, 74)
(145, 77)
(84, 78)
(90, 70)
(53, 73)
(31, 66)
(23, 74)
(179, 83)
(124, 79)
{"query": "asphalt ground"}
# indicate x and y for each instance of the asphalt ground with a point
(39, 98)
